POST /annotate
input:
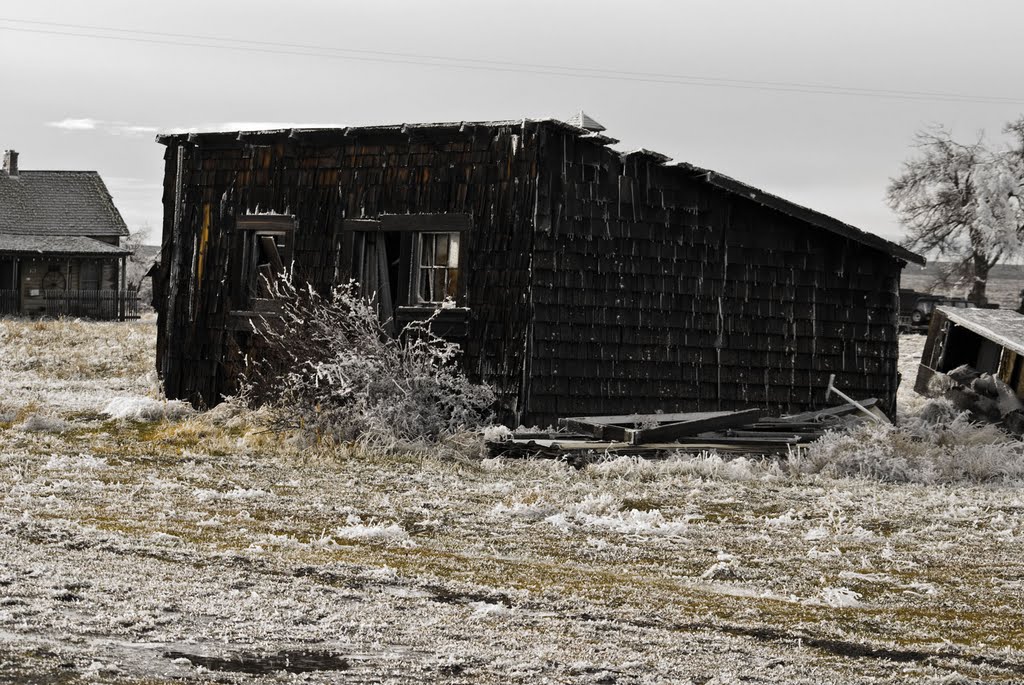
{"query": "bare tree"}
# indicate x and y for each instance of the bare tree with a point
(962, 202)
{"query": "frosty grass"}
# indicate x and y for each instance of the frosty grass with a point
(141, 542)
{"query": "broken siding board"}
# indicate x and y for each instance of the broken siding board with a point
(673, 431)
(613, 427)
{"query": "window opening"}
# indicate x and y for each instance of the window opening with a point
(266, 249)
(437, 275)
(377, 266)
(89, 276)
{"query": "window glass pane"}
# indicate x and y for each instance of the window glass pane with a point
(437, 267)
(439, 277)
(453, 250)
(425, 285)
(426, 249)
(453, 283)
(441, 249)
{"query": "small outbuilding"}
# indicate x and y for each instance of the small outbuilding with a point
(975, 357)
(579, 280)
(60, 245)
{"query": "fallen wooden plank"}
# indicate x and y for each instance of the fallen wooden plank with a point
(768, 436)
(672, 431)
(613, 427)
(841, 410)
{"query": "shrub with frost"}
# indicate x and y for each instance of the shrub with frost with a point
(327, 366)
(939, 445)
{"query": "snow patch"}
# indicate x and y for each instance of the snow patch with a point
(840, 597)
(146, 409)
(392, 534)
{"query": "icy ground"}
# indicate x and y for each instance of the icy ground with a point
(170, 546)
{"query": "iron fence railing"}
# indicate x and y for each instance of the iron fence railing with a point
(94, 304)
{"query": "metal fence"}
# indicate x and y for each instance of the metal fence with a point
(93, 304)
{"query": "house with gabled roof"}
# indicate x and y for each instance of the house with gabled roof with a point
(579, 280)
(60, 245)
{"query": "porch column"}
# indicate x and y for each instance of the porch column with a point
(122, 284)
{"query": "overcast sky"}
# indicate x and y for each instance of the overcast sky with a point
(87, 102)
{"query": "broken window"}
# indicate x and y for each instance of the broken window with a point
(266, 253)
(376, 266)
(406, 261)
(437, 277)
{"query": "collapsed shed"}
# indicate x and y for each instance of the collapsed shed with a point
(578, 279)
(976, 358)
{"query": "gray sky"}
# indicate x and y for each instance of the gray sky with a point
(82, 102)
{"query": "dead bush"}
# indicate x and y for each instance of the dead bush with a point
(327, 368)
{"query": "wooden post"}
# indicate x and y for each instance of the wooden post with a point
(122, 291)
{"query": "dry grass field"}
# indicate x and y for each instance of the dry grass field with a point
(142, 542)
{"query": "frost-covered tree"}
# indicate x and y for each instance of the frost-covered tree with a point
(962, 202)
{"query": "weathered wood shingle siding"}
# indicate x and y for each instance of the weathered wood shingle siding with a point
(596, 283)
(321, 180)
(653, 290)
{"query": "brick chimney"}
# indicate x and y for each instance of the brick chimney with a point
(11, 163)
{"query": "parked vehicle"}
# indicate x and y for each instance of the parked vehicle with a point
(916, 309)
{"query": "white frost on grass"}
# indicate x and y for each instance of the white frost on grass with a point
(489, 610)
(706, 465)
(66, 462)
(840, 597)
(87, 572)
(40, 423)
(146, 409)
(391, 534)
(632, 522)
(207, 495)
(595, 512)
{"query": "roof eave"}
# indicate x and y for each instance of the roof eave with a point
(808, 215)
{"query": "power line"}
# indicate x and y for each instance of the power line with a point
(476, 64)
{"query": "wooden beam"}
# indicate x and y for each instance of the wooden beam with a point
(673, 431)
(841, 410)
(360, 225)
(639, 419)
(425, 222)
(265, 222)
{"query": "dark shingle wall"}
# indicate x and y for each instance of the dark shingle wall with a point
(654, 291)
(487, 173)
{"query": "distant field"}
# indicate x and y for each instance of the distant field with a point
(1004, 284)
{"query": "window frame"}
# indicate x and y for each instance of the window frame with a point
(254, 231)
(418, 267)
(411, 226)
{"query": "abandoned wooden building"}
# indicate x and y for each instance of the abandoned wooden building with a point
(975, 357)
(60, 244)
(580, 280)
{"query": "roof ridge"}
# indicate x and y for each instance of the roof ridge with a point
(57, 171)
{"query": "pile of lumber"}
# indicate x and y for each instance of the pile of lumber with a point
(580, 439)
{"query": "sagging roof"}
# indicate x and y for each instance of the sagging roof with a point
(67, 246)
(578, 128)
(1004, 327)
(58, 203)
(803, 213)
